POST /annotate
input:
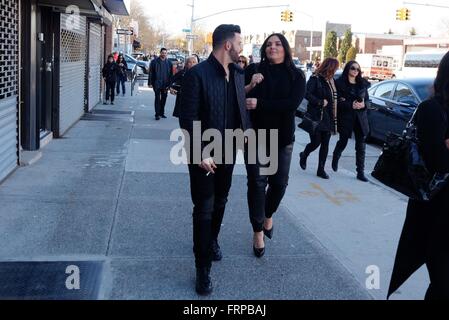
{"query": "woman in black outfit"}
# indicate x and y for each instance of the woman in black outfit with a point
(352, 115)
(275, 88)
(322, 98)
(110, 73)
(176, 86)
(425, 236)
(122, 74)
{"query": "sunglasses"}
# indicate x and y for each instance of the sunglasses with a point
(241, 61)
(355, 69)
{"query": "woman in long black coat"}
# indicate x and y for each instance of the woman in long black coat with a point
(425, 236)
(110, 72)
(352, 115)
(321, 95)
(176, 86)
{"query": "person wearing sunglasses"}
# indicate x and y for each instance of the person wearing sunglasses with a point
(352, 115)
(243, 62)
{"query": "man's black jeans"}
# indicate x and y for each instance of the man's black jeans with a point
(159, 101)
(110, 93)
(209, 196)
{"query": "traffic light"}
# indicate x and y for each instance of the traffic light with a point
(284, 16)
(407, 14)
(400, 14)
(403, 14)
(287, 16)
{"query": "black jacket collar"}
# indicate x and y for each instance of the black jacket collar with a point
(218, 66)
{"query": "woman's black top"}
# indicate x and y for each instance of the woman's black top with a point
(347, 94)
(433, 131)
(278, 97)
(319, 90)
(110, 71)
(123, 69)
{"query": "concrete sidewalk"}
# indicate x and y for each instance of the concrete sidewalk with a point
(108, 192)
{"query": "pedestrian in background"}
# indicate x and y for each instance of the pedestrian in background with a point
(213, 93)
(322, 98)
(176, 86)
(352, 115)
(122, 74)
(110, 73)
(425, 235)
(160, 78)
(243, 62)
(276, 88)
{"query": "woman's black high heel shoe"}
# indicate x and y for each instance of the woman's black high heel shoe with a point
(258, 252)
(268, 233)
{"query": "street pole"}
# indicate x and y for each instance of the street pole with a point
(311, 41)
(192, 21)
(426, 5)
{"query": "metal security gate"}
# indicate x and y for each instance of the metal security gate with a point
(9, 54)
(72, 70)
(95, 49)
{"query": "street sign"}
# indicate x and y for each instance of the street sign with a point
(192, 36)
(186, 30)
(125, 32)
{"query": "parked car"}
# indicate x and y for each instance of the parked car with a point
(338, 74)
(298, 64)
(144, 65)
(392, 103)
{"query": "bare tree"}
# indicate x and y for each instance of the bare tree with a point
(150, 37)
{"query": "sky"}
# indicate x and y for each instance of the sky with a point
(365, 16)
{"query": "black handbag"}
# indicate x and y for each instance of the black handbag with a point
(402, 168)
(309, 125)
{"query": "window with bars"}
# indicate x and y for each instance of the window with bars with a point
(8, 48)
(73, 46)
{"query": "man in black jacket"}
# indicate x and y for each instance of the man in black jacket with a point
(214, 95)
(160, 78)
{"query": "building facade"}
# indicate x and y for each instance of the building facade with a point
(303, 44)
(372, 43)
(51, 54)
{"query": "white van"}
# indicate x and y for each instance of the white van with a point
(421, 64)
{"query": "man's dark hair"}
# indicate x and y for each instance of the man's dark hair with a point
(224, 33)
(163, 49)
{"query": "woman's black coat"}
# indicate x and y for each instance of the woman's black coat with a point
(123, 71)
(425, 235)
(318, 90)
(346, 115)
(110, 72)
(177, 85)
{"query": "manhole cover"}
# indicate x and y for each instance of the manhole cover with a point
(59, 280)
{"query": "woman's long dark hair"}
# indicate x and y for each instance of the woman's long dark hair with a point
(441, 84)
(345, 75)
(288, 59)
(327, 68)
